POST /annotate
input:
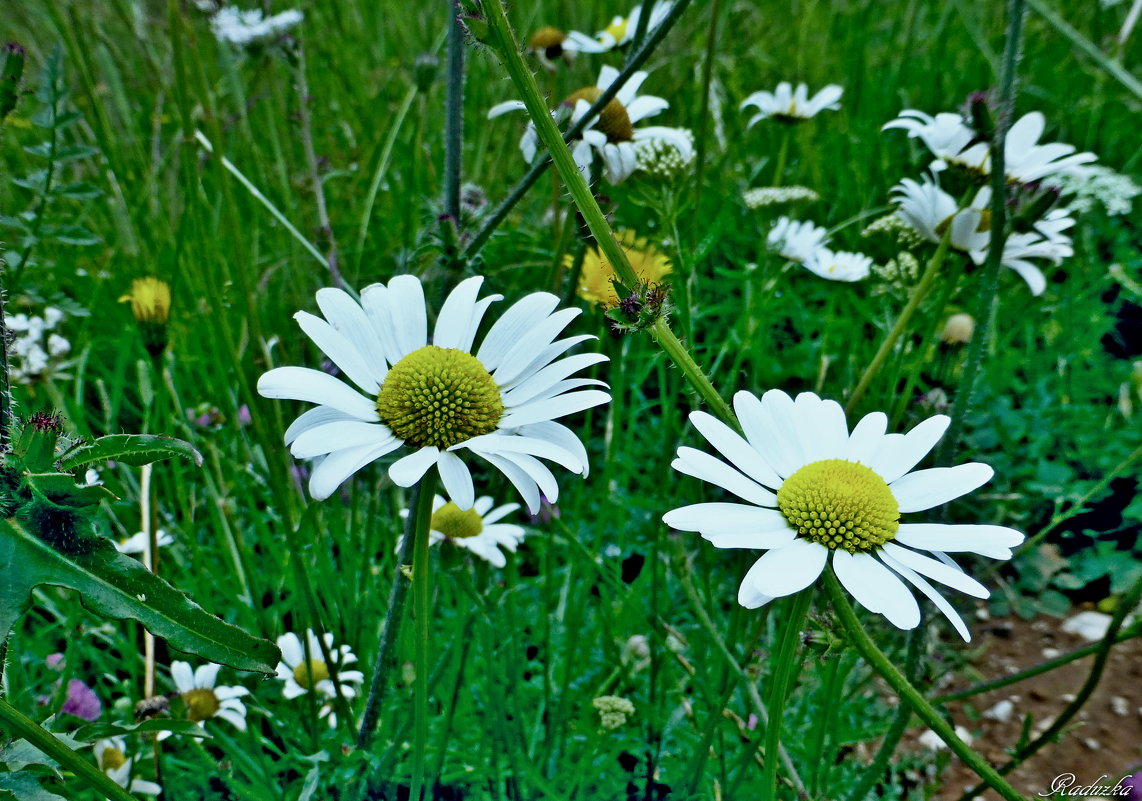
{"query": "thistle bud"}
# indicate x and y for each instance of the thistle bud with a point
(12, 58)
(982, 114)
(639, 308)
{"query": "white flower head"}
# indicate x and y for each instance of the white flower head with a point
(552, 45)
(204, 700)
(796, 240)
(786, 104)
(765, 196)
(838, 265)
(929, 210)
(945, 135)
(478, 529)
(111, 757)
(244, 28)
(816, 495)
(302, 675)
(140, 542)
(439, 399)
(622, 30)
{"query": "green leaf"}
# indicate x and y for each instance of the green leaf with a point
(77, 190)
(25, 786)
(75, 152)
(35, 181)
(101, 731)
(19, 754)
(70, 234)
(60, 488)
(132, 449)
(117, 586)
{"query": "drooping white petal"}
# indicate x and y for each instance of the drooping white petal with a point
(314, 386)
(932, 594)
(312, 418)
(339, 435)
(408, 470)
(933, 569)
(995, 542)
(335, 468)
(924, 489)
(749, 595)
(561, 436)
(505, 444)
(729, 518)
(537, 471)
(457, 480)
(525, 486)
(876, 588)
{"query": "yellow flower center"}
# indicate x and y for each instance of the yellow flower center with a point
(840, 504)
(112, 759)
(547, 38)
(201, 704)
(439, 397)
(455, 524)
(617, 28)
(613, 120)
(308, 675)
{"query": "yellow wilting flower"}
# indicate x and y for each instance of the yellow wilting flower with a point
(150, 300)
(597, 276)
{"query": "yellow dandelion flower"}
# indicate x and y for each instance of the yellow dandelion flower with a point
(150, 300)
(597, 277)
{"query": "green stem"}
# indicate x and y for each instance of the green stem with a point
(908, 693)
(454, 114)
(318, 186)
(785, 659)
(393, 618)
(422, 589)
(690, 369)
(918, 294)
(1126, 605)
(989, 292)
(782, 156)
(21, 726)
(704, 111)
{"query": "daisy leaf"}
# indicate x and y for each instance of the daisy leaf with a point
(118, 586)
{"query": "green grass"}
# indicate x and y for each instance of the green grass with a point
(519, 654)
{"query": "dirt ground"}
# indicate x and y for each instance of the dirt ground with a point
(1105, 738)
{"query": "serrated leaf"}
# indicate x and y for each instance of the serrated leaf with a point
(20, 754)
(117, 586)
(25, 786)
(132, 449)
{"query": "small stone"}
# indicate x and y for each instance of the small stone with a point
(1050, 653)
(1090, 626)
(982, 614)
(1119, 706)
(1092, 744)
(1067, 697)
(1000, 712)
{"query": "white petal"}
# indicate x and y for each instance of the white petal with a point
(891, 463)
(779, 424)
(335, 468)
(561, 436)
(540, 410)
(375, 302)
(536, 470)
(515, 323)
(408, 470)
(733, 525)
(995, 542)
(519, 478)
(876, 588)
(750, 596)
(549, 375)
(864, 442)
(206, 675)
(351, 320)
(183, 676)
(314, 386)
(713, 470)
(505, 107)
(924, 489)
(238, 719)
(340, 351)
(521, 354)
(290, 645)
(454, 322)
(457, 479)
(933, 595)
(406, 305)
(339, 435)
(787, 570)
(317, 416)
(505, 444)
(736, 449)
(933, 569)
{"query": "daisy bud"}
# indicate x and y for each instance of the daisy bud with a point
(424, 71)
(12, 58)
(958, 329)
(981, 114)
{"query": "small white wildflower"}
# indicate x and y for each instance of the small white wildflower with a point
(58, 346)
(1099, 185)
(765, 196)
(796, 240)
(838, 265)
(244, 28)
(614, 711)
(662, 159)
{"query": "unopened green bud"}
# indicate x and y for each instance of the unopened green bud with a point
(424, 71)
(981, 114)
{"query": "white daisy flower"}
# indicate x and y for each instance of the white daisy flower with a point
(1018, 248)
(442, 399)
(612, 134)
(111, 757)
(838, 265)
(945, 135)
(817, 494)
(301, 676)
(552, 45)
(204, 700)
(138, 543)
(621, 31)
(796, 240)
(929, 210)
(477, 529)
(244, 28)
(787, 104)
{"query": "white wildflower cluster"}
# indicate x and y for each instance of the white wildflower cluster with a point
(891, 226)
(614, 711)
(1087, 187)
(960, 151)
(36, 350)
(806, 243)
(661, 158)
(245, 28)
(765, 196)
(903, 270)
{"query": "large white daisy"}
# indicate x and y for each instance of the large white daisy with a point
(477, 529)
(301, 675)
(786, 104)
(612, 135)
(817, 495)
(203, 699)
(929, 211)
(111, 757)
(439, 399)
(796, 240)
(838, 265)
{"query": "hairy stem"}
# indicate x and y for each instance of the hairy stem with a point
(303, 99)
(454, 114)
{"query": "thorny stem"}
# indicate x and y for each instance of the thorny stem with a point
(1126, 605)
(391, 626)
(637, 59)
(454, 120)
(314, 173)
(989, 292)
(908, 693)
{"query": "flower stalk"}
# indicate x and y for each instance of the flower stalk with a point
(422, 590)
(908, 693)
